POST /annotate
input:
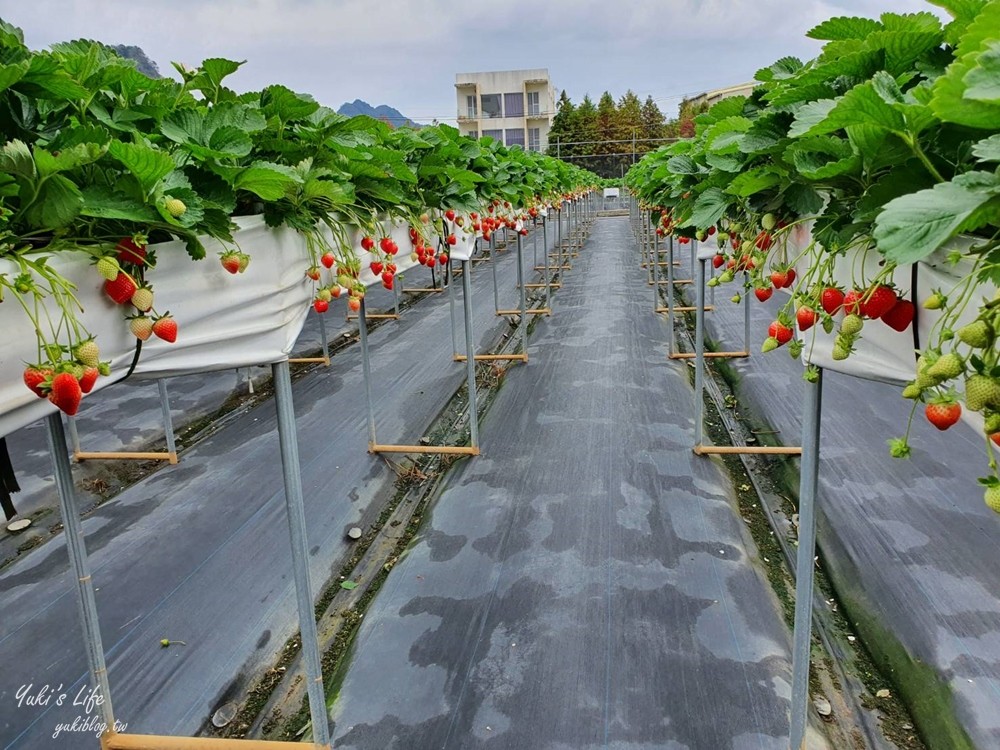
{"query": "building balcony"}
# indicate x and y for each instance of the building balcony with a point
(539, 115)
(466, 85)
(466, 117)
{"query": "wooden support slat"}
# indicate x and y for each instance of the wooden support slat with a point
(532, 311)
(554, 268)
(775, 450)
(553, 285)
(685, 308)
(460, 450)
(113, 741)
(124, 455)
(429, 290)
(692, 355)
(492, 357)
(303, 360)
(380, 316)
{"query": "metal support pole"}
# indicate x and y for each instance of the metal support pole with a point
(670, 296)
(295, 508)
(322, 336)
(694, 254)
(523, 322)
(168, 423)
(559, 255)
(534, 240)
(805, 564)
(77, 548)
(699, 352)
(451, 313)
(74, 435)
(493, 264)
(545, 248)
(366, 369)
(470, 361)
(656, 272)
(395, 304)
(746, 312)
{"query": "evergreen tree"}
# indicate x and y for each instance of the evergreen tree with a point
(563, 128)
(586, 126)
(607, 116)
(629, 122)
(653, 122)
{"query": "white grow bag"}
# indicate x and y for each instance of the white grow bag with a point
(225, 321)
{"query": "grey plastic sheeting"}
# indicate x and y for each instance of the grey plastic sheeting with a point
(587, 582)
(199, 552)
(911, 540)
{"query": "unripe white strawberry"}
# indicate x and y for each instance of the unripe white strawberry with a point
(176, 207)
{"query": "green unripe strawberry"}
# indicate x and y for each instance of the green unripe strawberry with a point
(770, 344)
(795, 349)
(244, 261)
(142, 299)
(852, 325)
(175, 207)
(947, 367)
(87, 353)
(108, 268)
(723, 237)
(769, 222)
(982, 391)
(935, 302)
(713, 282)
(992, 497)
(992, 423)
(324, 294)
(912, 391)
(841, 351)
(735, 299)
(726, 276)
(747, 247)
(104, 368)
(977, 334)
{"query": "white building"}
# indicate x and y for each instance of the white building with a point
(515, 107)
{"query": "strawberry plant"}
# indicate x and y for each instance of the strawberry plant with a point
(841, 170)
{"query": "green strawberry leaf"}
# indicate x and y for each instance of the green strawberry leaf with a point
(149, 165)
(913, 226)
(266, 180)
(844, 27)
(983, 81)
(708, 208)
(988, 149)
(57, 203)
(68, 158)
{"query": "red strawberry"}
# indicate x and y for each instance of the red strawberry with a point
(34, 377)
(995, 437)
(449, 215)
(779, 331)
(130, 252)
(386, 244)
(943, 414)
(65, 393)
(806, 317)
(386, 277)
(763, 241)
(452, 240)
(391, 268)
(121, 289)
(852, 302)
(711, 231)
(791, 277)
(328, 259)
(474, 216)
(900, 316)
(763, 293)
(354, 304)
(313, 273)
(880, 300)
(90, 375)
(165, 327)
(832, 299)
(335, 291)
(376, 267)
(718, 260)
(779, 279)
(320, 305)
(231, 262)
(442, 259)
(367, 243)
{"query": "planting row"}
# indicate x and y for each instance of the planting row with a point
(864, 184)
(112, 182)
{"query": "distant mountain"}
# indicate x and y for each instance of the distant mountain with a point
(142, 60)
(382, 112)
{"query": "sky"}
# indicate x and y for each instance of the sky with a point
(405, 53)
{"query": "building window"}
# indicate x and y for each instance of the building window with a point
(513, 105)
(534, 108)
(491, 105)
(471, 109)
(496, 135)
(474, 134)
(534, 139)
(515, 137)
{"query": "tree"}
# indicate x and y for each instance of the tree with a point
(607, 114)
(586, 126)
(629, 122)
(563, 128)
(653, 122)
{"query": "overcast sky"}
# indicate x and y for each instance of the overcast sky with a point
(405, 53)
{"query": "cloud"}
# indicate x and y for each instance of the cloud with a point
(406, 52)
